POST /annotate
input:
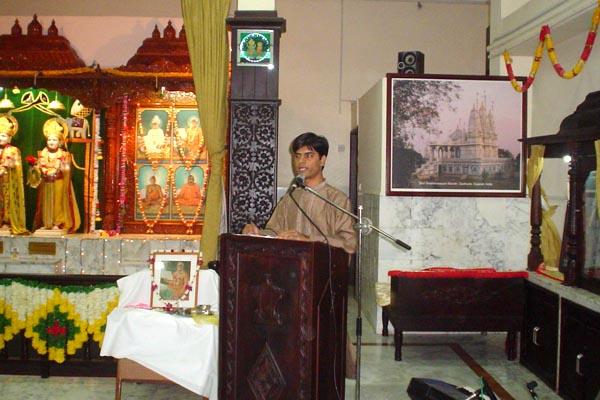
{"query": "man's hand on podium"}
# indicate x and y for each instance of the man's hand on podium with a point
(293, 235)
(251, 229)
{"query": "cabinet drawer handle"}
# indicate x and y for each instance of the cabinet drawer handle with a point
(534, 337)
(578, 364)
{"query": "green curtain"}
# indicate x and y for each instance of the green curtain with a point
(206, 35)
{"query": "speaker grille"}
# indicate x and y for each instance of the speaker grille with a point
(411, 62)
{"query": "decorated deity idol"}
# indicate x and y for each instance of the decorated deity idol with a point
(12, 203)
(56, 209)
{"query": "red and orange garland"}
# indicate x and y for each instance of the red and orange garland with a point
(545, 39)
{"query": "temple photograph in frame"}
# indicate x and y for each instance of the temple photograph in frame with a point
(455, 136)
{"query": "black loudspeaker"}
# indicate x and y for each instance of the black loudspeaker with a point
(433, 389)
(411, 62)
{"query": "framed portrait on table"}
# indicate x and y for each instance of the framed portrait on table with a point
(174, 280)
(450, 135)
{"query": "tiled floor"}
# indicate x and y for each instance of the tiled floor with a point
(439, 356)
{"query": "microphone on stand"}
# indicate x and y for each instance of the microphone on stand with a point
(531, 388)
(298, 182)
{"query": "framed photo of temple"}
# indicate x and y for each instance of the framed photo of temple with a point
(451, 135)
(174, 280)
(255, 47)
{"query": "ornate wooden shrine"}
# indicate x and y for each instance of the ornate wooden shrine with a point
(155, 82)
(576, 137)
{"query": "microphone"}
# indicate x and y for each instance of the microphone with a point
(531, 388)
(298, 182)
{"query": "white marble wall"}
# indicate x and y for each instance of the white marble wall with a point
(86, 255)
(461, 232)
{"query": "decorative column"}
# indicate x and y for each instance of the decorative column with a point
(254, 108)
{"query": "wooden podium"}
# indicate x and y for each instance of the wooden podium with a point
(281, 334)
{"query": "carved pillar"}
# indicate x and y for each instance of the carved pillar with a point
(254, 104)
(574, 221)
(535, 258)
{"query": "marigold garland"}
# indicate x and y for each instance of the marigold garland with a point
(545, 39)
(58, 319)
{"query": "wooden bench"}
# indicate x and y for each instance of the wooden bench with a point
(455, 300)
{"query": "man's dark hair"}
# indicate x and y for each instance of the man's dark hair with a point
(312, 141)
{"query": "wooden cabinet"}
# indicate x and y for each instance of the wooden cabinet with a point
(539, 340)
(579, 352)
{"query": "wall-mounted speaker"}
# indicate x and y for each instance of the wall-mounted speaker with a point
(411, 62)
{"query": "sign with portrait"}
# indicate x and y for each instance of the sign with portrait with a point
(255, 48)
(174, 280)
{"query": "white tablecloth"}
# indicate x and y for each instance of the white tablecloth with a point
(173, 346)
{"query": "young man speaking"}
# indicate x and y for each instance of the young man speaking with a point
(295, 211)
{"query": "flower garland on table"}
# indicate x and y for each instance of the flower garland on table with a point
(163, 203)
(58, 319)
(545, 39)
(169, 307)
(189, 224)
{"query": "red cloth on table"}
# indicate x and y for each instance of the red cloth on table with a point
(448, 272)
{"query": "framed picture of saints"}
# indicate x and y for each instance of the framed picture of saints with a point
(188, 135)
(189, 189)
(152, 133)
(152, 192)
(255, 48)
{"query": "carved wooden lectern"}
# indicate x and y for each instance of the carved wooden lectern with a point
(282, 325)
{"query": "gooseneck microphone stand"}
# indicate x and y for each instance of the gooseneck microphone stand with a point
(364, 226)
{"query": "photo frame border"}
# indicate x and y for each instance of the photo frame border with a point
(395, 191)
(159, 259)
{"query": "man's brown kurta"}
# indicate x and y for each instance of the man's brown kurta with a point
(337, 226)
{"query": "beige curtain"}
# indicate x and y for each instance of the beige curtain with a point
(206, 34)
(550, 245)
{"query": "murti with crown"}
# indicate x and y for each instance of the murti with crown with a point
(12, 198)
(56, 208)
